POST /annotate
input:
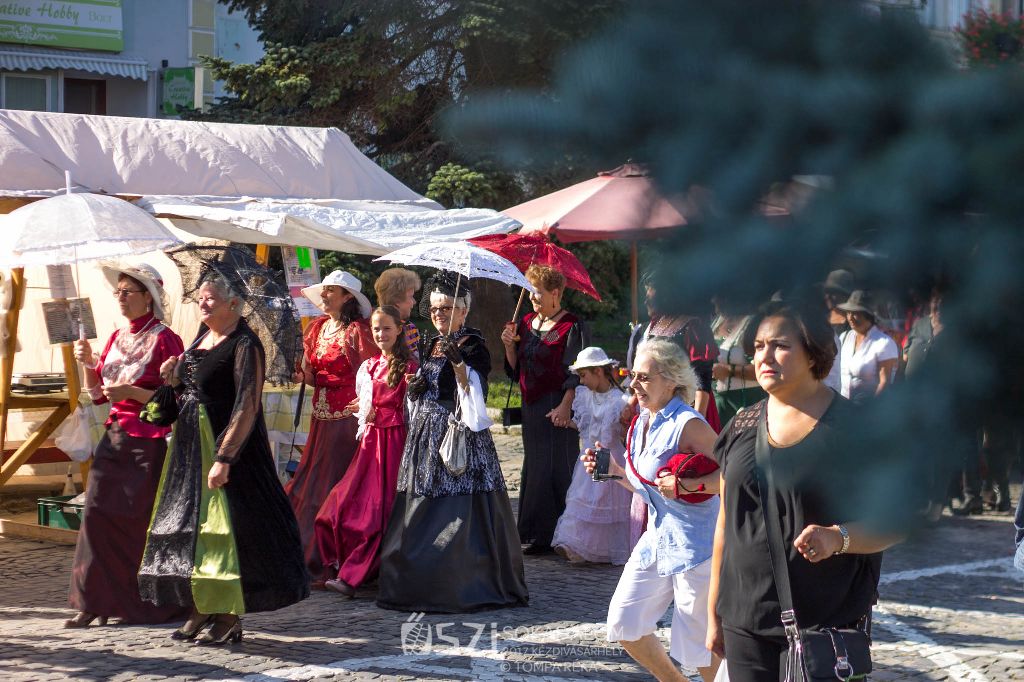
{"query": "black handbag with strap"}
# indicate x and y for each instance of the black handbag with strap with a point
(827, 653)
(511, 415)
(162, 407)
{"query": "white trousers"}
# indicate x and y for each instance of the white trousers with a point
(641, 598)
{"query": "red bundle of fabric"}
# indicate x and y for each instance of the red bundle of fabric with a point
(686, 465)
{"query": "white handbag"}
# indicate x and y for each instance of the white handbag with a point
(453, 446)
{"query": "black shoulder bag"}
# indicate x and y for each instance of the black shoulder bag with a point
(511, 415)
(814, 654)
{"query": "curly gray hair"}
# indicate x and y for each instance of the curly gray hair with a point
(672, 364)
(221, 285)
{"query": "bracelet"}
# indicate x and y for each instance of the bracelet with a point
(846, 539)
(93, 366)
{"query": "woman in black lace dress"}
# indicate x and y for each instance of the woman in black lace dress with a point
(223, 538)
(451, 544)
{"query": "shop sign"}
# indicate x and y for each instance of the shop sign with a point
(179, 90)
(82, 24)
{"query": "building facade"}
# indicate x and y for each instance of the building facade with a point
(116, 57)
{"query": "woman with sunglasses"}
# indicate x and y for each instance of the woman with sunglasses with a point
(127, 462)
(671, 562)
(450, 544)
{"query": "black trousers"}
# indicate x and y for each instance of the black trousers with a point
(752, 658)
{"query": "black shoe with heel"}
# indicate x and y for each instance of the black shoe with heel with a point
(223, 631)
(192, 627)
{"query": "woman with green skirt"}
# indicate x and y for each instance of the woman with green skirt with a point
(223, 538)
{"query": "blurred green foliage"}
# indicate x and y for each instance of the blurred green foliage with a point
(915, 165)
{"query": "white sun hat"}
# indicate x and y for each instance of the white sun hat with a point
(345, 280)
(592, 356)
(147, 276)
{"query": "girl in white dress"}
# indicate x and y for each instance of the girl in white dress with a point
(595, 524)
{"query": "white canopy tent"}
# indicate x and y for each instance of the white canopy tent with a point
(244, 183)
(251, 184)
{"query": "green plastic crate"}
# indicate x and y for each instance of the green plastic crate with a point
(56, 512)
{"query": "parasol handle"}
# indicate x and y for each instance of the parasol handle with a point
(451, 320)
(519, 304)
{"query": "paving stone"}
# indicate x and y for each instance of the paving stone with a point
(975, 616)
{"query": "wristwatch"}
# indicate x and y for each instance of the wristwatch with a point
(846, 538)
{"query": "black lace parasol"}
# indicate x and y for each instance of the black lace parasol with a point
(267, 305)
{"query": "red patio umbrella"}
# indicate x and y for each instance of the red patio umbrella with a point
(525, 250)
(623, 203)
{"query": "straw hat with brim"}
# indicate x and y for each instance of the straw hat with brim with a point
(147, 276)
(345, 280)
(592, 356)
(859, 302)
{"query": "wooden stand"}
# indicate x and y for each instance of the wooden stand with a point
(62, 406)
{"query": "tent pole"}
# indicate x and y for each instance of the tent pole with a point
(634, 286)
(10, 345)
(262, 254)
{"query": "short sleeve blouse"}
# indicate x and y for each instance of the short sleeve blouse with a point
(837, 591)
(859, 367)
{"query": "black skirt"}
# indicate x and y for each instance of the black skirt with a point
(451, 547)
(549, 459)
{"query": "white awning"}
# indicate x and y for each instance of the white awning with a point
(29, 59)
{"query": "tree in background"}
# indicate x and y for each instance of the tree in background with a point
(383, 71)
(918, 162)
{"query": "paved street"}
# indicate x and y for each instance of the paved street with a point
(952, 609)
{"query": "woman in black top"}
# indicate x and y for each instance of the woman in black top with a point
(223, 538)
(833, 564)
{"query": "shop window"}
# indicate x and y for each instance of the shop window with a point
(30, 93)
(85, 96)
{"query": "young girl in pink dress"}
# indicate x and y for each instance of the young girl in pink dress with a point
(350, 524)
(595, 524)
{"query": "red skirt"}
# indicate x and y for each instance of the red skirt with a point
(118, 507)
(329, 450)
(350, 525)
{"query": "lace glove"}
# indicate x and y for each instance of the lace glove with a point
(417, 386)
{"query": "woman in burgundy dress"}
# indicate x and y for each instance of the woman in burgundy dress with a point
(350, 525)
(335, 346)
(127, 462)
(538, 353)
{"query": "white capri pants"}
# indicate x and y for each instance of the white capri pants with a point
(641, 598)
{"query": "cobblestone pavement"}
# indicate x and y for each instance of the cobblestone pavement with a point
(952, 609)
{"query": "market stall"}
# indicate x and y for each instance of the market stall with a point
(260, 185)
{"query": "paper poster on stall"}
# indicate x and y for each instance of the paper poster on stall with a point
(301, 269)
(62, 319)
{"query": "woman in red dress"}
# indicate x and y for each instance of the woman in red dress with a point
(128, 461)
(335, 346)
(350, 525)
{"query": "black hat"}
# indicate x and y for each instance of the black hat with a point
(444, 282)
(859, 302)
